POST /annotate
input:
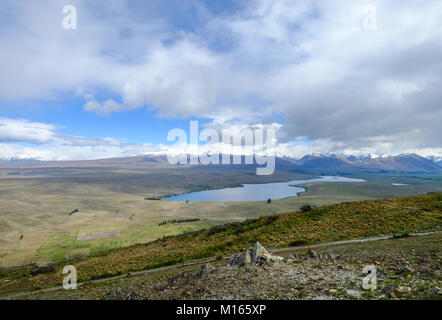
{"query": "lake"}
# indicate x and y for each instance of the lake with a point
(256, 192)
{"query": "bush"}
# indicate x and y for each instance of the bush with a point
(178, 221)
(400, 235)
(239, 230)
(306, 207)
(218, 229)
(298, 242)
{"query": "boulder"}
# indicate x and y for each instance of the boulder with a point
(258, 255)
(261, 255)
(259, 252)
(42, 267)
(205, 269)
(239, 259)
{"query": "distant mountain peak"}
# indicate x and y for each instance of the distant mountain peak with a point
(411, 162)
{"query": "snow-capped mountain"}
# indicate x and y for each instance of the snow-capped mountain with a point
(403, 162)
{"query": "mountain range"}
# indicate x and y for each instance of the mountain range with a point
(404, 162)
(314, 162)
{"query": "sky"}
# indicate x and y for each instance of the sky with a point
(332, 76)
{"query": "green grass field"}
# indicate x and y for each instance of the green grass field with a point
(66, 245)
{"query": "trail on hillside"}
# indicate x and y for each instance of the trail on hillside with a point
(203, 261)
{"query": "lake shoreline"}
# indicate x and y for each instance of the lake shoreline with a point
(256, 192)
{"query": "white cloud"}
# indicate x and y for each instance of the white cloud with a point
(311, 63)
(23, 139)
(49, 145)
(62, 152)
(103, 109)
(12, 130)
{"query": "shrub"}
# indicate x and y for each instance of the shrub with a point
(217, 229)
(306, 207)
(400, 235)
(298, 242)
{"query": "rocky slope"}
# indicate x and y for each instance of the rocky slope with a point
(407, 268)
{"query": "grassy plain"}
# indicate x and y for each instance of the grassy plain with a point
(35, 202)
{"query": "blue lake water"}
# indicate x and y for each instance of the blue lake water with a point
(256, 192)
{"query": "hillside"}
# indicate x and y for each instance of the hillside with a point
(408, 267)
(405, 162)
(329, 223)
(319, 161)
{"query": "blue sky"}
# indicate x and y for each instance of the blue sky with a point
(134, 70)
(138, 126)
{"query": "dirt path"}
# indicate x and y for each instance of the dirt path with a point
(203, 261)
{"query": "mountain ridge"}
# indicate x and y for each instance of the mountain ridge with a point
(410, 162)
(404, 162)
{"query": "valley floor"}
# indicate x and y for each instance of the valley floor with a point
(39, 210)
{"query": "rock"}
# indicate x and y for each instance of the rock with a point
(258, 252)
(247, 258)
(112, 294)
(234, 260)
(177, 278)
(404, 269)
(261, 255)
(42, 267)
(239, 259)
(313, 254)
(129, 296)
(205, 269)
(130, 293)
(333, 291)
(332, 257)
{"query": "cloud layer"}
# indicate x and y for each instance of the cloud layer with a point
(335, 86)
(26, 140)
